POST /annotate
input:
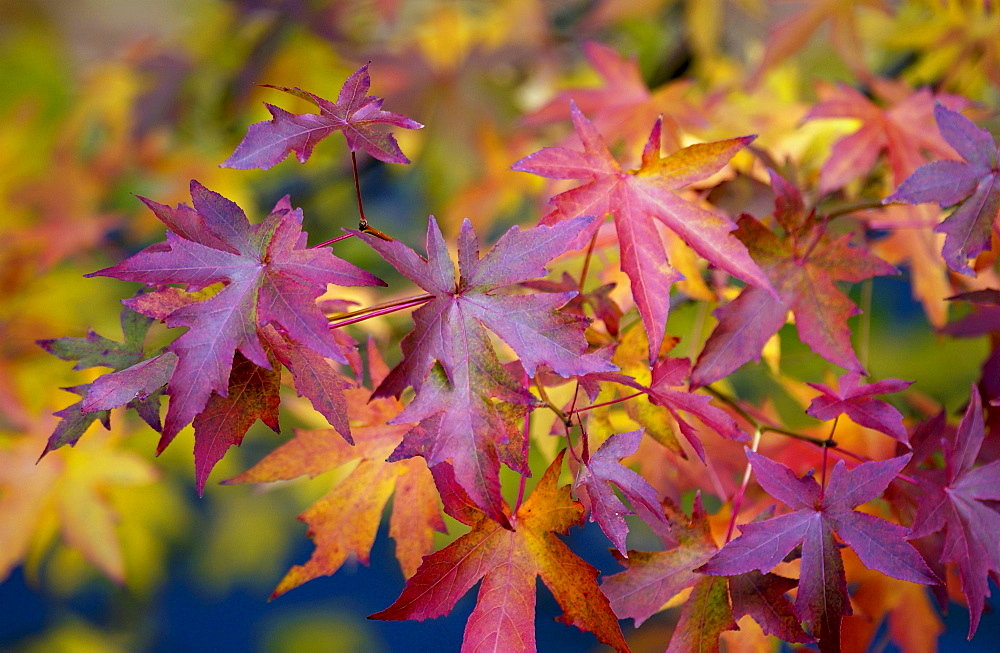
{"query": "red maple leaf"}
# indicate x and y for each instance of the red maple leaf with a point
(822, 599)
(269, 277)
(635, 197)
(508, 561)
(959, 501)
(355, 113)
(448, 357)
(858, 403)
(903, 130)
(803, 267)
(972, 186)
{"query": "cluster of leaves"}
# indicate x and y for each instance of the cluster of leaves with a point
(500, 362)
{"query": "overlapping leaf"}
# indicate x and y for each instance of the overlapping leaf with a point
(858, 402)
(635, 197)
(508, 561)
(822, 599)
(972, 186)
(269, 277)
(961, 503)
(346, 519)
(804, 267)
(448, 358)
(355, 113)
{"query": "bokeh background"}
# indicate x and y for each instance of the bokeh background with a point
(105, 548)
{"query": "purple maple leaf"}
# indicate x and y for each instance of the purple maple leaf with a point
(858, 403)
(355, 113)
(822, 598)
(961, 504)
(972, 186)
(448, 357)
(594, 481)
(269, 277)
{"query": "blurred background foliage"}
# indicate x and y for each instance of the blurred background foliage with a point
(104, 547)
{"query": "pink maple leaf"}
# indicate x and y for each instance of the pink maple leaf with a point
(355, 113)
(858, 403)
(635, 197)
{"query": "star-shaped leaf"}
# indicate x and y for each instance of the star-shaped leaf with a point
(269, 277)
(961, 502)
(345, 520)
(804, 266)
(449, 359)
(972, 186)
(508, 561)
(635, 197)
(594, 482)
(858, 403)
(355, 113)
(822, 599)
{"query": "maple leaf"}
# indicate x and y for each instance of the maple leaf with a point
(448, 357)
(345, 520)
(972, 186)
(762, 596)
(903, 130)
(594, 482)
(508, 561)
(822, 599)
(95, 350)
(858, 403)
(652, 578)
(960, 502)
(635, 197)
(355, 113)
(803, 266)
(624, 106)
(269, 277)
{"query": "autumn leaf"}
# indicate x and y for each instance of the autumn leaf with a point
(822, 599)
(858, 403)
(763, 597)
(972, 186)
(595, 478)
(355, 113)
(652, 578)
(960, 502)
(95, 350)
(706, 615)
(508, 561)
(804, 268)
(448, 357)
(635, 197)
(345, 520)
(269, 277)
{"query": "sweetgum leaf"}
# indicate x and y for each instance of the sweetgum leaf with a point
(448, 357)
(804, 267)
(269, 277)
(345, 520)
(961, 504)
(858, 403)
(762, 596)
(635, 197)
(706, 615)
(603, 469)
(822, 599)
(508, 561)
(972, 186)
(355, 113)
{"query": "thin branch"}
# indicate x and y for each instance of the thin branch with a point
(343, 319)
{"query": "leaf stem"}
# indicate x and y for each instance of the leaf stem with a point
(762, 427)
(333, 240)
(607, 403)
(343, 319)
(826, 453)
(586, 261)
(854, 208)
(560, 413)
(738, 499)
(362, 222)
